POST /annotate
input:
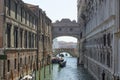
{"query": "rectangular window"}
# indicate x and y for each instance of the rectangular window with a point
(8, 35)
(9, 7)
(60, 29)
(108, 39)
(81, 35)
(25, 39)
(35, 41)
(32, 21)
(108, 59)
(31, 61)
(16, 37)
(8, 65)
(25, 60)
(21, 14)
(21, 37)
(29, 20)
(29, 40)
(32, 40)
(104, 39)
(25, 17)
(36, 23)
(15, 62)
(20, 62)
(15, 10)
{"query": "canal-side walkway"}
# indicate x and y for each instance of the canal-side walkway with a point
(70, 72)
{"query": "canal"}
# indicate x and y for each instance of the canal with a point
(70, 72)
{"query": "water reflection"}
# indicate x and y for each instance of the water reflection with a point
(71, 71)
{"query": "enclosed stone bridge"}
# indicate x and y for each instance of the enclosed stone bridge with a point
(65, 27)
(71, 51)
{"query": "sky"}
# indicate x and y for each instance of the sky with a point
(58, 9)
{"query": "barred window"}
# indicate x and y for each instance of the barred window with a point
(21, 62)
(8, 65)
(15, 63)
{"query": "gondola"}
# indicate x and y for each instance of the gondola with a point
(62, 64)
(57, 60)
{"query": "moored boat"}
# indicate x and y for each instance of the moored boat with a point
(57, 60)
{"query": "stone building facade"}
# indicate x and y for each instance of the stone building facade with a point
(25, 39)
(99, 37)
(44, 33)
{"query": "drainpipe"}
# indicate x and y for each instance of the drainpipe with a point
(37, 55)
(4, 15)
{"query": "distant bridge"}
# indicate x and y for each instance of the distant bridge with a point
(71, 51)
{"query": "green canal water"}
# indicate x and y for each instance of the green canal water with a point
(70, 72)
